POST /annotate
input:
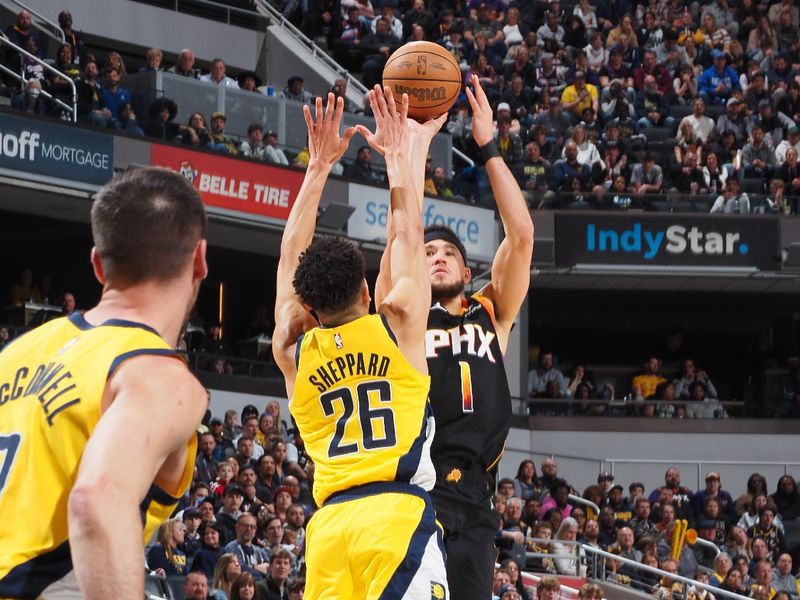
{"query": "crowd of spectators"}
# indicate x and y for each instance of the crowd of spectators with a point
(689, 393)
(540, 525)
(604, 103)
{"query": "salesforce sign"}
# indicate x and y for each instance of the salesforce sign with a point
(474, 226)
(668, 239)
(49, 152)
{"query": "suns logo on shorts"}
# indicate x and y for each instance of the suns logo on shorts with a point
(437, 591)
(337, 339)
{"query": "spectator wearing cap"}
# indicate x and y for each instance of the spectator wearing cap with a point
(758, 158)
(294, 91)
(219, 141)
(361, 169)
(217, 75)
(713, 489)
(770, 123)
(252, 558)
(578, 96)
(719, 81)
(531, 174)
(230, 511)
(733, 121)
(756, 91)
(613, 97)
(792, 141)
(253, 146)
(192, 541)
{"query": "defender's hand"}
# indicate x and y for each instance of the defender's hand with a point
(324, 143)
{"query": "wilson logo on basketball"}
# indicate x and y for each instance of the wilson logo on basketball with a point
(422, 65)
(421, 94)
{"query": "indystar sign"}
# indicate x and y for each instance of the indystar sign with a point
(669, 239)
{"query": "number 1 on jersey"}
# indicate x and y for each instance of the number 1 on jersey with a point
(466, 387)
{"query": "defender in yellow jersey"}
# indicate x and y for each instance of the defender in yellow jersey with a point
(97, 411)
(358, 383)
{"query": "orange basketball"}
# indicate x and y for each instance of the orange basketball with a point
(428, 73)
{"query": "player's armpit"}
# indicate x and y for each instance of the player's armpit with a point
(156, 406)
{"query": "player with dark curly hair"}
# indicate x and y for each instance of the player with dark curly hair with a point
(358, 382)
(330, 274)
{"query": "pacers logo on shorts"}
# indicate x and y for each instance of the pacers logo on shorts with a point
(437, 591)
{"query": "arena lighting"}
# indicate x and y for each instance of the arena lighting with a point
(661, 270)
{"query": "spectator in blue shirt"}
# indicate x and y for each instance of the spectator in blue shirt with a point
(718, 81)
(114, 94)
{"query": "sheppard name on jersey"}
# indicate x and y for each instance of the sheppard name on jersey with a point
(473, 341)
(349, 365)
(49, 385)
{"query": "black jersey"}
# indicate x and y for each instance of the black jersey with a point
(469, 389)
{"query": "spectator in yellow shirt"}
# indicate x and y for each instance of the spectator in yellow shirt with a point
(649, 380)
(579, 96)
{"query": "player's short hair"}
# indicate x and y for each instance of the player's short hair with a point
(330, 274)
(145, 225)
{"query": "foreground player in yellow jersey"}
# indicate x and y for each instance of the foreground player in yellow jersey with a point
(97, 411)
(358, 383)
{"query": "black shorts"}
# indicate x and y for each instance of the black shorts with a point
(470, 525)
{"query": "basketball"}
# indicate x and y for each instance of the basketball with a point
(428, 73)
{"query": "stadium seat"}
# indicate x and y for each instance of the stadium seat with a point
(753, 185)
(154, 586)
(174, 587)
(714, 112)
(680, 110)
(657, 134)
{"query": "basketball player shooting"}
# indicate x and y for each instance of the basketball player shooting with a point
(466, 339)
(358, 382)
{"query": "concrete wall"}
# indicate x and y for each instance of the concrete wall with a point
(149, 26)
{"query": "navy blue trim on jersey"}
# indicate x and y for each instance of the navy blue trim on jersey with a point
(80, 322)
(409, 463)
(373, 489)
(29, 579)
(155, 493)
(133, 353)
(297, 350)
(408, 567)
(388, 329)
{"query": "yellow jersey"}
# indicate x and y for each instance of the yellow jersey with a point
(52, 381)
(361, 408)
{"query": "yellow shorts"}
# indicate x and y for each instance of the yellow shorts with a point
(380, 541)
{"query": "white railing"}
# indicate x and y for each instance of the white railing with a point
(4, 41)
(318, 53)
(601, 556)
(54, 31)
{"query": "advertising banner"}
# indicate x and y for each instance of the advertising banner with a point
(668, 239)
(233, 185)
(474, 226)
(53, 153)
